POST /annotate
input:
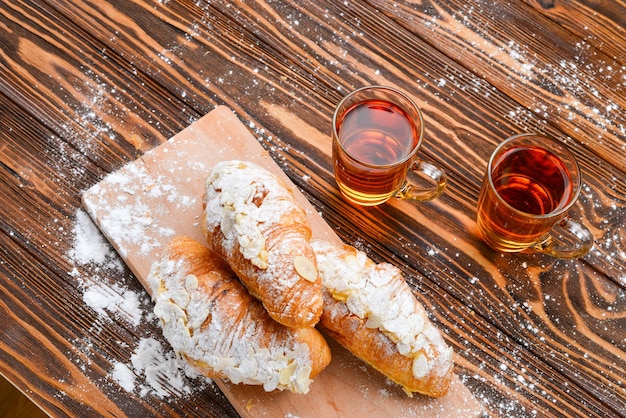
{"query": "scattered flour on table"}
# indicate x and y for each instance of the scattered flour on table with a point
(124, 376)
(165, 374)
(578, 77)
(90, 249)
(152, 368)
(89, 244)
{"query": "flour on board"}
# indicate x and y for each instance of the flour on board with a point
(132, 226)
(153, 368)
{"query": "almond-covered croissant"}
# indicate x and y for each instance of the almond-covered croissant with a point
(212, 321)
(371, 311)
(252, 219)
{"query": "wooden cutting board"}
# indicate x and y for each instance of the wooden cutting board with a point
(149, 201)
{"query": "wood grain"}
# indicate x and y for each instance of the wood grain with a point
(86, 87)
(15, 404)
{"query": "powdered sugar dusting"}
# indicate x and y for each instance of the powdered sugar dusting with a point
(152, 368)
(109, 300)
(164, 371)
(130, 223)
(89, 244)
(198, 327)
(124, 376)
(122, 302)
(577, 78)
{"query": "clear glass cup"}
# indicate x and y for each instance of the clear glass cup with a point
(377, 132)
(531, 182)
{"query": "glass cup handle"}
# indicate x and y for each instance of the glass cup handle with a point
(576, 244)
(420, 169)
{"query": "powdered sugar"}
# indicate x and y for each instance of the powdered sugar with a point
(132, 225)
(205, 331)
(164, 371)
(164, 374)
(89, 244)
(124, 376)
(109, 300)
(122, 302)
(151, 368)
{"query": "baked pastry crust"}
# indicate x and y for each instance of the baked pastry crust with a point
(252, 219)
(370, 310)
(211, 321)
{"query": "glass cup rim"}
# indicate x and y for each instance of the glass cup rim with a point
(393, 91)
(555, 213)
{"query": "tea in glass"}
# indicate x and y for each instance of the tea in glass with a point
(530, 184)
(377, 132)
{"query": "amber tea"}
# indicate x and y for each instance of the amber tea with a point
(376, 134)
(530, 183)
(532, 180)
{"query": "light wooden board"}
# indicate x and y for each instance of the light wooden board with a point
(149, 201)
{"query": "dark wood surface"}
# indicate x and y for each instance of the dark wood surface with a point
(87, 86)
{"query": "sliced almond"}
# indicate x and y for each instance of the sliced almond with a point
(287, 372)
(305, 268)
(420, 366)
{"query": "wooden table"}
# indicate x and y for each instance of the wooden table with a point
(88, 86)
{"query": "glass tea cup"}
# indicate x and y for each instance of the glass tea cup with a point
(530, 184)
(377, 132)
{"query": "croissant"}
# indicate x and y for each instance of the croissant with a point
(371, 311)
(252, 220)
(221, 331)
